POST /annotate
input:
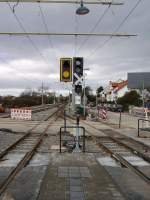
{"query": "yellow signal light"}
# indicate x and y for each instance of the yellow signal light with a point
(66, 69)
(66, 74)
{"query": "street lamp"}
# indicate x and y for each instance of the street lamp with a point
(82, 10)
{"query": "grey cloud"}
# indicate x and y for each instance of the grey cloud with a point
(113, 61)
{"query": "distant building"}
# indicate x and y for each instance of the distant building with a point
(115, 90)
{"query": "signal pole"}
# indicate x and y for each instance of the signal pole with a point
(84, 74)
(42, 93)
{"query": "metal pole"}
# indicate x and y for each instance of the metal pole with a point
(96, 105)
(67, 34)
(73, 98)
(54, 98)
(138, 127)
(102, 2)
(60, 141)
(83, 139)
(77, 146)
(143, 95)
(65, 121)
(42, 93)
(69, 100)
(84, 95)
(120, 119)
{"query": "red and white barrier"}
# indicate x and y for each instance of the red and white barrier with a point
(146, 116)
(21, 113)
(103, 114)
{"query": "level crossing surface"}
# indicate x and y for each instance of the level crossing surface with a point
(77, 176)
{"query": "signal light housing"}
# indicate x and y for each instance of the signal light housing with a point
(66, 69)
(78, 89)
(77, 67)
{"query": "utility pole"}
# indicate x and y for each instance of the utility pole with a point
(42, 93)
(54, 98)
(84, 103)
(73, 98)
(84, 94)
(143, 95)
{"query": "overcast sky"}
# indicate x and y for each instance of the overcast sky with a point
(26, 62)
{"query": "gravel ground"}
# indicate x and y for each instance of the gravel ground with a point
(7, 138)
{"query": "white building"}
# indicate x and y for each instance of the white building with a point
(115, 90)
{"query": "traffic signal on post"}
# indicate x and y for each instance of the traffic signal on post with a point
(78, 89)
(77, 68)
(66, 69)
(78, 74)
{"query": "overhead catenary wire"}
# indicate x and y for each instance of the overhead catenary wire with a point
(27, 36)
(96, 2)
(67, 34)
(94, 27)
(47, 30)
(119, 26)
(75, 37)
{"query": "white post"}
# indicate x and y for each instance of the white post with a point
(146, 117)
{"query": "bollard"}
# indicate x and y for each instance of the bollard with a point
(78, 120)
(77, 145)
(146, 117)
(64, 121)
(120, 118)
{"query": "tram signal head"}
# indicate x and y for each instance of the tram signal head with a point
(77, 67)
(66, 69)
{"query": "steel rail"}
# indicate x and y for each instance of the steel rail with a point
(133, 150)
(3, 153)
(26, 159)
(119, 158)
(135, 141)
(68, 34)
(123, 161)
(138, 142)
(103, 2)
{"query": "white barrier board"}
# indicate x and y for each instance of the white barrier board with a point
(19, 113)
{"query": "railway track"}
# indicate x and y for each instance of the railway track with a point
(30, 142)
(124, 152)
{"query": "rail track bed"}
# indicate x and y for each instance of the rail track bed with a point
(128, 167)
(24, 148)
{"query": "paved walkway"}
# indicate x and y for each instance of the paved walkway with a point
(77, 176)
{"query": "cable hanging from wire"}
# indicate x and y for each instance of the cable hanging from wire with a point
(47, 30)
(75, 37)
(15, 5)
(94, 27)
(27, 36)
(120, 25)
